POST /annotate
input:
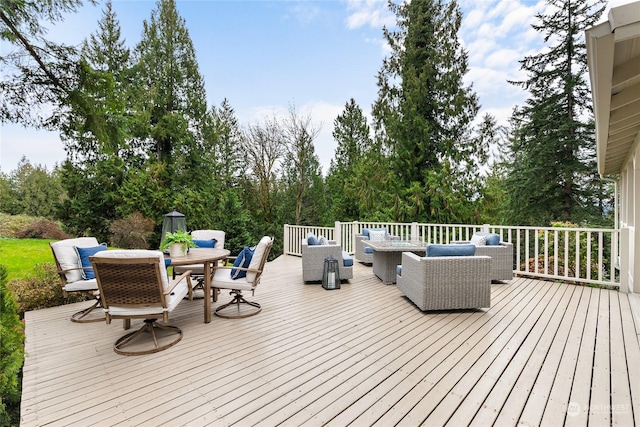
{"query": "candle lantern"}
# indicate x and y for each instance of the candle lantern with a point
(173, 221)
(330, 274)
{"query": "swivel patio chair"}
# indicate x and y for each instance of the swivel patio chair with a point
(445, 282)
(222, 278)
(202, 239)
(134, 285)
(76, 273)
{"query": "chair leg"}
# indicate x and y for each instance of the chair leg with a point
(150, 326)
(81, 316)
(238, 299)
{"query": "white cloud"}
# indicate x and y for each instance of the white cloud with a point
(373, 13)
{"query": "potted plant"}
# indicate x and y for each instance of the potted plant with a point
(177, 243)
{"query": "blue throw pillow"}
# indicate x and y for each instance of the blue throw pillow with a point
(492, 239)
(399, 269)
(83, 255)
(451, 250)
(242, 260)
(312, 240)
(210, 243)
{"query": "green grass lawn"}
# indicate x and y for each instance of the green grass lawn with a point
(21, 255)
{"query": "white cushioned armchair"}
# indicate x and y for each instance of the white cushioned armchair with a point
(447, 282)
(313, 261)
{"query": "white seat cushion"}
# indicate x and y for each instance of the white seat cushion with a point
(222, 280)
(68, 257)
(81, 285)
(173, 299)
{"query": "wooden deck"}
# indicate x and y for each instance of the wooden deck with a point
(544, 354)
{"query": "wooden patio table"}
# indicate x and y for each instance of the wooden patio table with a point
(387, 254)
(207, 257)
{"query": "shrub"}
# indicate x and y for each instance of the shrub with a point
(40, 290)
(11, 224)
(132, 232)
(42, 229)
(11, 355)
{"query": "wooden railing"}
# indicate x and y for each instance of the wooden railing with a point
(581, 255)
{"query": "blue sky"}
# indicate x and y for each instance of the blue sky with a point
(266, 55)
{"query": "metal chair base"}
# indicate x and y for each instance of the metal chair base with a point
(82, 315)
(238, 301)
(150, 326)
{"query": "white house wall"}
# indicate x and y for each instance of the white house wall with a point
(629, 219)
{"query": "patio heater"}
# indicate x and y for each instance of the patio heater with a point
(330, 274)
(173, 221)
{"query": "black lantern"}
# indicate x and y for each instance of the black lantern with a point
(330, 274)
(173, 221)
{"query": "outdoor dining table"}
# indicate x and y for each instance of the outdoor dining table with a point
(387, 254)
(208, 257)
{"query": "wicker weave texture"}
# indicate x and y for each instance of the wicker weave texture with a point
(446, 283)
(130, 284)
(313, 261)
(501, 259)
(360, 255)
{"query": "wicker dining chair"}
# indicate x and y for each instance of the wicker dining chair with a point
(134, 285)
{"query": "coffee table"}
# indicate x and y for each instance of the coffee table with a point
(207, 257)
(387, 254)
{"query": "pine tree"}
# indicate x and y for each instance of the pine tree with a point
(168, 72)
(553, 142)
(424, 111)
(171, 119)
(352, 134)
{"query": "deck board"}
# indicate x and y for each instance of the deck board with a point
(361, 355)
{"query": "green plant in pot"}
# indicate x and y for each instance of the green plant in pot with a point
(177, 242)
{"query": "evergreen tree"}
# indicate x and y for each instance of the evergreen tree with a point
(168, 71)
(38, 73)
(100, 147)
(38, 191)
(224, 132)
(553, 142)
(352, 134)
(171, 119)
(11, 354)
(424, 111)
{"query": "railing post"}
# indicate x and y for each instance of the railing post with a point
(625, 237)
(414, 232)
(486, 228)
(285, 243)
(337, 233)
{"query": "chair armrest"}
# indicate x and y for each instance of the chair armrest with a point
(185, 275)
